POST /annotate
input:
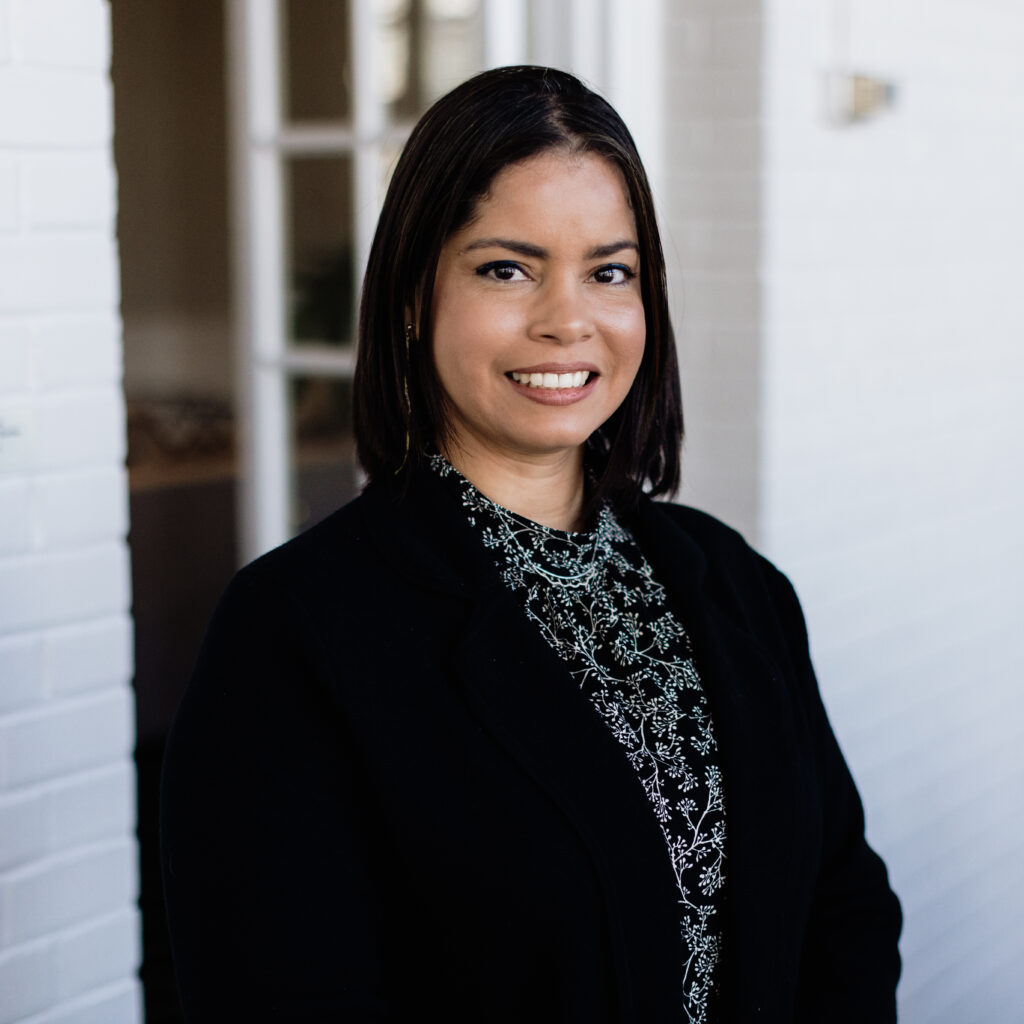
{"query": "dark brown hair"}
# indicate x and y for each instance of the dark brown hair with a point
(496, 119)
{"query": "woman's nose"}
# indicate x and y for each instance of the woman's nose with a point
(562, 313)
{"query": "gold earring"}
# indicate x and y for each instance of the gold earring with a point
(410, 334)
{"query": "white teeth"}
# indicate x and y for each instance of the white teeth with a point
(554, 381)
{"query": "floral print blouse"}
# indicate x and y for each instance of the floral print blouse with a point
(595, 600)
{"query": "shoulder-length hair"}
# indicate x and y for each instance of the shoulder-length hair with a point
(496, 119)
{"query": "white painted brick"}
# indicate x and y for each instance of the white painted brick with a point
(67, 890)
(72, 735)
(64, 431)
(15, 519)
(718, 198)
(99, 417)
(15, 360)
(97, 954)
(65, 33)
(91, 806)
(58, 272)
(729, 94)
(17, 436)
(120, 1003)
(699, 144)
(5, 31)
(28, 981)
(76, 351)
(709, 8)
(729, 300)
(21, 672)
(89, 656)
(57, 589)
(67, 802)
(9, 194)
(737, 40)
(54, 109)
(719, 247)
(24, 830)
(692, 40)
(75, 509)
(71, 191)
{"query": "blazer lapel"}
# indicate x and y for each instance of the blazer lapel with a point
(764, 774)
(523, 695)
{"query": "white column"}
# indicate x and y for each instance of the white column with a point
(258, 270)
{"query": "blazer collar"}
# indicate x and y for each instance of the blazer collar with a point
(423, 534)
(763, 751)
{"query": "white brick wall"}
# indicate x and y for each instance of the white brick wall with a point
(712, 225)
(856, 355)
(69, 929)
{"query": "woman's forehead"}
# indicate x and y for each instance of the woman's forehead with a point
(551, 192)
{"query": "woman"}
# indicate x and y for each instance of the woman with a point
(504, 738)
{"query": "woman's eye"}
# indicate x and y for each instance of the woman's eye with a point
(502, 271)
(614, 273)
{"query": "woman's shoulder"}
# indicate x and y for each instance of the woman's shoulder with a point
(296, 580)
(730, 570)
(706, 529)
(721, 546)
(327, 539)
(341, 546)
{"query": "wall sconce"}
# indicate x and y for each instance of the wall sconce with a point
(851, 98)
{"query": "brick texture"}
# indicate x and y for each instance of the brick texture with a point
(71, 191)
(69, 922)
(15, 361)
(45, 272)
(9, 214)
(53, 108)
(713, 225)
(65, 34)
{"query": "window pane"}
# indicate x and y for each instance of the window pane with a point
(426, 47)
(317, 65)
(324, 473)
(321, 277)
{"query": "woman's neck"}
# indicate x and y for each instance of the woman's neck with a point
(547, 489)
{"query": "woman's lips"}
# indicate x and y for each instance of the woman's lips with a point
(550, 388)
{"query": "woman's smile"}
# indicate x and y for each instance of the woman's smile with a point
(539, 323)
(555, 383)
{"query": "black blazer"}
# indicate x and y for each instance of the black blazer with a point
(383, 798)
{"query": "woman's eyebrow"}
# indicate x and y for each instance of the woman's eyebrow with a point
(537, 252)
(600, 251)
(522, 248)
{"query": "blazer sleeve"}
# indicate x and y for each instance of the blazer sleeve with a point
(268, 887)
(850, 964)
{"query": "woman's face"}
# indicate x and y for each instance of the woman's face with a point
(538, 318)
